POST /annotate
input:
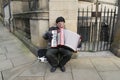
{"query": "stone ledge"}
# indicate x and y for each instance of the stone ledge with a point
(115, 48)
(33, 48)
(115, 51)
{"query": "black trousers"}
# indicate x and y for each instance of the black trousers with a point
(58, 56)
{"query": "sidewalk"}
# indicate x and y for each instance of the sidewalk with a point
(18, 63)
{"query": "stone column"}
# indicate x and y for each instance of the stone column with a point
(38, 28)
(66, 8)
(115, 47)
(39, 24)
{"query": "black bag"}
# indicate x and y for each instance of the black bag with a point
(42, 52)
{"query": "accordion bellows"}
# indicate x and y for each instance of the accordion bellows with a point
(65, 38)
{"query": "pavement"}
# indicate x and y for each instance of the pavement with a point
(18, 63)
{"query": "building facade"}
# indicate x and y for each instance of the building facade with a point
(1, 11)
(30, 19)
(115, 48)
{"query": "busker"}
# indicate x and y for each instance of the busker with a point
(60, 55)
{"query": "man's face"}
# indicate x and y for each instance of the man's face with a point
(61, 24)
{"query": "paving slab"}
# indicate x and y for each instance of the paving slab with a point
(2, 50)
(82, 63)
(67, 66)
(87, 74)
(110, 75)
(13, 48)
(104, 64)
(12, 55)
(0, 76)
(2, 53)
(2, 57)
(116, 61)
(12, 73)
(59, 76)
(7, 64)
(29, 78)
(36, 69)
(21, 60)
(7, 43)
(95, 54)
(7, 37)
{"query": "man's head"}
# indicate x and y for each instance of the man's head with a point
(60, 22)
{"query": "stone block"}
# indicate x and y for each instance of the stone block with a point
(81, 64)
(116, 60)
(86, 75)
(7, 64)
(34, 29)
(67, 9)
(54, 14)
(67, 66)
(0, 76)
(64, 0)
(2, 50)
(110, 75)
(43, 4)
(16, 6)
(38, 28)
(71, 25)
(25, 6)
(104, 64)
(58, 76)
(21, 60)
(11, 74)
(29, 78)
(36, 69)
(2, 57)
(62, 5)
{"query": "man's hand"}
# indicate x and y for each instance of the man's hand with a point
(48, 35)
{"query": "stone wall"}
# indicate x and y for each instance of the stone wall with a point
(16, 7)
(38, 28)
(115, 47)
(0, 10)
(66, 8)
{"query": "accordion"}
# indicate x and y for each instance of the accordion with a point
(65, 38)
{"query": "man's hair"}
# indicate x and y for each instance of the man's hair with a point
(60, 19)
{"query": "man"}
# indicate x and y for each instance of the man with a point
(53, 53)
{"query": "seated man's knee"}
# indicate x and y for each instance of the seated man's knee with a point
(48, 54)
(69, 54)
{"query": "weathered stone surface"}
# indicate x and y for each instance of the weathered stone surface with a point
(36, 69)
(104, 64)
(2, 50)
(86, 74)
(19, 6)
(58, 76)
(110, 75)
(37, 31)
(12, 73)
(80, 64)
(0, 76)
(20, 60)
(2, 57)
(29, 78)
(63, 8)
(67, 66)
(7, 64)
(116, 61)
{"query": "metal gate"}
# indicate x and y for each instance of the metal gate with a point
(96, 28)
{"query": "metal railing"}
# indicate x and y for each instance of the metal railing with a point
(97, 35)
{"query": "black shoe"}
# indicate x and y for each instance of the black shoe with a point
(62, 69)
(53, 69)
